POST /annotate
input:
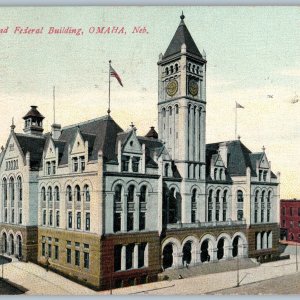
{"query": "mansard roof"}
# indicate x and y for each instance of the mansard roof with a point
(101, 134)
(33, 112)
(34, 145)
(182, 36)
(239, 158)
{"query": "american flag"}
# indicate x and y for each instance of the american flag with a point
(113, 73)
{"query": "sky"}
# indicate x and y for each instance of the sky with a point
(252, 52)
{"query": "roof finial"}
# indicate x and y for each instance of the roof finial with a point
(182, 15)
(239, 137)
(12, 126)
(263, 148)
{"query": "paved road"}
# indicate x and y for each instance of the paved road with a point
(288, 284)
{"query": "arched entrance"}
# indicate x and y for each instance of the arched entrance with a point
(19, 246)
(12, 244)
(205, 251)
(187, 253)
(220, 246)
(168, 256)
(4, 243)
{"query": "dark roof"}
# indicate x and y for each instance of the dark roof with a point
(34, 145)
(182, 36)
(239, 158)
(101, 133)
(152, 133)
(33, 113)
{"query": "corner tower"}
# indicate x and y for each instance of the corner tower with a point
(182, 103)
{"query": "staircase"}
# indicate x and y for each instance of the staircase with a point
(208, 268)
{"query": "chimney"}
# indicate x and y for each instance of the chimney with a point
(56, 131)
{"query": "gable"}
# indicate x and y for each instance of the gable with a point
(219, 162)
(132, 145)
(78, 145)
(264, 164)
(50, 151)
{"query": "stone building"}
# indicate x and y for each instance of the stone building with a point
(109, 208)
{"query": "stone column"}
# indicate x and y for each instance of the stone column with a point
(136, 256)
(123, 258)
(229, 252)
(214, 253)
(258, 241)
(177, 260)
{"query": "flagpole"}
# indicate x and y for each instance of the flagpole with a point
(108, 111)
(235, 132)
(54, 104)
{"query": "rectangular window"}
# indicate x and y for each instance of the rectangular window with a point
(291, 224)
(82, 163)
(298, 211)
(135, 164)
(77, 258)
(141, 255)
(193, 216)
(5, 215)
(129, 221)
(57, 218)
(20, 216)
(262, 214)
(224, 215)
(268, 215)
(283, 211)
(125, 163)
(43, 249)
(240, 215)
(75, 164)
(129, 256)
(117, 257)
(291, 211)
(49, 250)
(217, 215)
(298, 223)
(12, 215)
(70, 219)
(48, 168)
(117, 222)
(283, 223)
(87, 221)
(78, 220)
(142, 221)
(209, 217)
(50, 218)
(86, 258)
(265, 175)
(77, 244)
(69, 260)
(56, 252)
(255, 216)
(53, 167)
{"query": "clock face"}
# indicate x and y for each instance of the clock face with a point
(172, 87)
(193, 87)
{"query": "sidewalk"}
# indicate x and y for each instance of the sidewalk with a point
(39, 282)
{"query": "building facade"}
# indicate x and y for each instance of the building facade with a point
(109, 208)
(290, 220)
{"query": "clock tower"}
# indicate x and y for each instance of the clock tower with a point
(182, 103)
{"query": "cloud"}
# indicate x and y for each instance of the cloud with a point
(290, 72)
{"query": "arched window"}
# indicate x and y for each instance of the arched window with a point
(269, 206)
(12, 190)
(256, 197)
(20, 189)
(4, 184)
(143, 191)
(240, 196)
(167, 71)
(77, 193)
(215, 173)
(164, 112)
(225, 205)
(194, 206)
(117, 208)
(43, 194)
(69, 193)
(57, 218)
(86, 191)
(209, 214)
(172, 69)
(176, 67)
(49, 193)
(225, 196)
(176, 109)
(221, 174)
(218, 196)
(269, 197)
(170, 111)
(167, 170)
(262, 206)
(56, 193)
(130, 195)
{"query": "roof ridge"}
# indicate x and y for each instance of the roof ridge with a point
(30, 136)
(87, 122)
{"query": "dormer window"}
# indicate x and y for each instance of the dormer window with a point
(265, 176)
(167, 170)
(135, 164)
(48, 168)
(82, 163)
(75, 164)
(125, 163)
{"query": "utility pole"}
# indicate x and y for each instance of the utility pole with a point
(296, 256)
